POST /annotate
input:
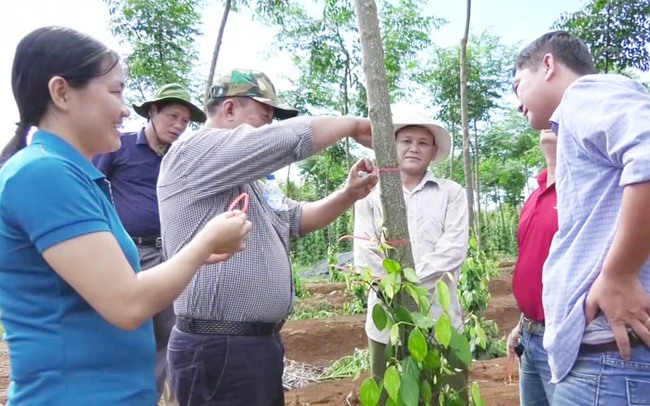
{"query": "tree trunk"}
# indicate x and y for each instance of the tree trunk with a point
(477, 223)
(467, 158)
(346, 97)
(328, 229)
(451, 153)
(215, 53)
(374, 69)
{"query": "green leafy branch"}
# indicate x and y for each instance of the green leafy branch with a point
(419, 348)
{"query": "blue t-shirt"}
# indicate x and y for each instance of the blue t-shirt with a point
(62, 351)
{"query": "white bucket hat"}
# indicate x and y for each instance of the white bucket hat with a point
(404, 116)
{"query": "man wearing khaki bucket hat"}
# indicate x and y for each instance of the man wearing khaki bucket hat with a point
(437, 223)
(133, 173)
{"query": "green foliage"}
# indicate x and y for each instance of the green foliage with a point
(356, 287)
(323, 243)
(488, 78)
(299, 285)
(484, 338)
(406, 34)
(474, 277)
(326, 171)
(476, 395)
(326, 49)
(162, 37)
(499, 231)
(485, 341)
(420, 348)
(336, 274)
(510, 155)
(617, 32)
(370, 392)
(349, 367)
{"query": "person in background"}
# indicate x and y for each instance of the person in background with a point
(438, 226)
(537, 226)
(133, 172)
(74, 303)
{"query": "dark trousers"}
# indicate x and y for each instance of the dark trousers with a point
(162, 322)
(226, 370)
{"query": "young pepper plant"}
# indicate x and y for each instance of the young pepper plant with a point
(419, 348)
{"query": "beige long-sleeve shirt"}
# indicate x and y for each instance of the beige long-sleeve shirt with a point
(439, 231)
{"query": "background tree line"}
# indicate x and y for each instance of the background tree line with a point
(323, 39)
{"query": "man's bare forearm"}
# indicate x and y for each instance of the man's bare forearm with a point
(320, 213)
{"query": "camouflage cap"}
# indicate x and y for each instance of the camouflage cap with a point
(253, 84)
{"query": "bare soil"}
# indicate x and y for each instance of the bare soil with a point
(320, 342)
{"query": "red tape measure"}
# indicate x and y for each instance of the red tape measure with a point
(244, 196)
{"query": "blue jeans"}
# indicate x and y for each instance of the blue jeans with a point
(606, 379)
(219, 370)
(535, 388)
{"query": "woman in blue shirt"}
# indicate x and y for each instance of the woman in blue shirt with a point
(76, 310)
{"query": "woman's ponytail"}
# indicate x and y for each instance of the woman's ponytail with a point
(17, 142)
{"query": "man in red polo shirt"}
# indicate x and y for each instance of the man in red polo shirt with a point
(537, 225)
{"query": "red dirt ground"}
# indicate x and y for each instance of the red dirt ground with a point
(321, 341)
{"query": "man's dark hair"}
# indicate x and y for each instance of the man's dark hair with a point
(213, 104)
(565, 48)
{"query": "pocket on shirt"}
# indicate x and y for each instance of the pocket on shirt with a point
(433, 229)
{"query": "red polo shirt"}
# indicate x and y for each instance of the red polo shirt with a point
(537, 225)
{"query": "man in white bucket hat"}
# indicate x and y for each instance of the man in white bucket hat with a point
(437, 222)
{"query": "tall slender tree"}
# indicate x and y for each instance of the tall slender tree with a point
(392, 198)
(217, 47)
(464, 116)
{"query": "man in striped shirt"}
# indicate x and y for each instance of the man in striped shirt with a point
(225, 348)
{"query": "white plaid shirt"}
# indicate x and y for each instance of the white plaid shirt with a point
(439, 231)
(200, 176)
(603, 128)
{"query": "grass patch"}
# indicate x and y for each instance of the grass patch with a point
(350, 366)
(320, 311)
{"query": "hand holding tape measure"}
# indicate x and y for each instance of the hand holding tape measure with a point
(244, 196)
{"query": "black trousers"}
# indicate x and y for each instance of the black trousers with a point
(208, 370)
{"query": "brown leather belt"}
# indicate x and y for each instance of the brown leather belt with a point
(227, 328)
(610, 345)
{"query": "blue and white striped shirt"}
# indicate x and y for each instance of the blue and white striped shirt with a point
(603, 128)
